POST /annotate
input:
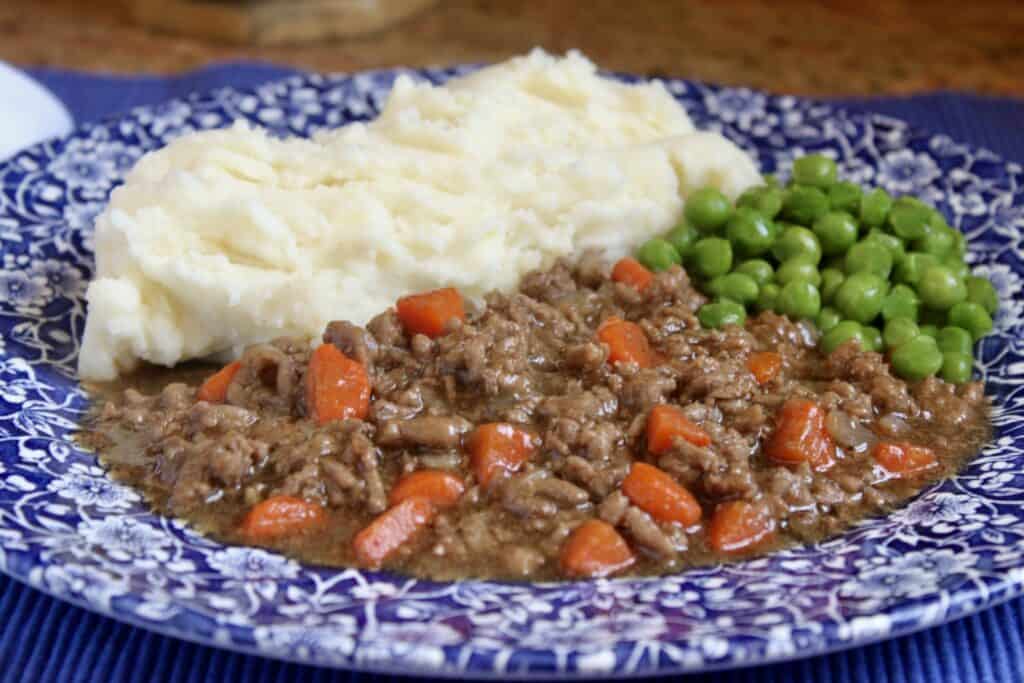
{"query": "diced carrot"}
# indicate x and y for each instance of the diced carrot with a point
(391, 530)
(498, 447)
(337, 387)
(903, 459)
(659, 495)
(440, 488)
(631, 272)
(626, 342)
(765, 365)
(281, 516)
(800, 436)
(595, 549)
(738, 525)
(430, 312)
(215, 388)
(665, 423)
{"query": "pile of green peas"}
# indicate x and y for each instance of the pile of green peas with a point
(886, 272)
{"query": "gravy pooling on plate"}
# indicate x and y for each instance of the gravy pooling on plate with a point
(581, 426)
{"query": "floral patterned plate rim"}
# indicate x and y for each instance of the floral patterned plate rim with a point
(67, 529)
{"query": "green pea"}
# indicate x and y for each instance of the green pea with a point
(956, 367)
(759, 269)
(981, 292)
(831, 279)
(770, 180)
(870, 257)
(873, 337)
(954, 340)
(711, 257)
(930, 330)
(766, 200)
(860, 297)
(749, 231)
(842, 333)
(940, 289)
(899, 331)
(707, 209)
(738, 287)
(799, 299)
(937, 220)
(814, 169)
(845, 196)
(874, 207)
(959, 244)
(657, 254)
(908, 220)
(768, 297)
(910, 268)
(918, 358)
(937, 241)
(804, 205)
(721, 313)
(972, 317)
(797, 241)
(900, 302)
(958, 268)
(827, 319)
(836, 231)
(891, 242)
(682, 237)
(713, 287)
(798, 268)
(911, 200)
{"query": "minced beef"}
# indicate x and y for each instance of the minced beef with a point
(532, 358)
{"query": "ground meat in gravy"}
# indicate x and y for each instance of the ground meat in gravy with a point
(532, 358)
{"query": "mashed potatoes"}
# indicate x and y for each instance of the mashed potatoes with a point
(230, 237)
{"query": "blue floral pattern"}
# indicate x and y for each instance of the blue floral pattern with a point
(67, 529)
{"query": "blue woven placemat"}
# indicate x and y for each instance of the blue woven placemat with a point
(43, 639)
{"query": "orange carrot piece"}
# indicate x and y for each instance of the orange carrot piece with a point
(281, 516)
(498, 447)
(595, 549)
(903, 459)
(800, 436)
(631, 272)
(738, 525)
(765, 365)
(440, 488)
(659, 495)
(337, 387)
(391, 530)
(665, 423)
(626, 342)
(430, 312)
(215, 388)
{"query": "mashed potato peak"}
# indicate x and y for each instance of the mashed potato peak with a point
(231, 237)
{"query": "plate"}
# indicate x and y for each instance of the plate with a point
(68, 530)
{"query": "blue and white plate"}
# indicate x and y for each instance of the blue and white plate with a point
(68, 530)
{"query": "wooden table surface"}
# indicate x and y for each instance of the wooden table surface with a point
(830, 47)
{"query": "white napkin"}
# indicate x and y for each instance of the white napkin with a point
(29, 113)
